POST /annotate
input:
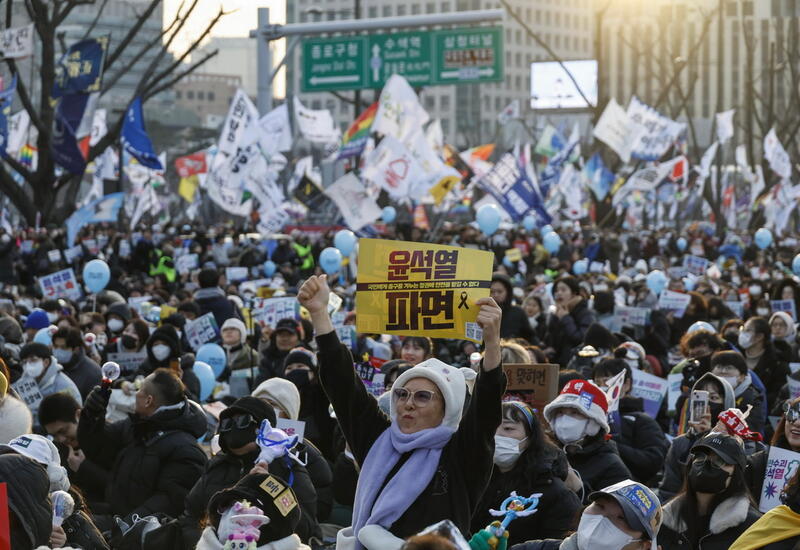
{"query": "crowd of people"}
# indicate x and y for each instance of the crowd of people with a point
(316, 436)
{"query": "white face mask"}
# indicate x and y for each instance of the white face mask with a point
(161, 351)
(762, 312)
(745, 340)
(569, 429)
(754, 290)
(33, 368)
(115, 325)
(506, 450)
(596, 532)
(732, 380)
(52, 317)
(532, 322)
(63, 356)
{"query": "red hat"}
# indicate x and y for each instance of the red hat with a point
(584, 397)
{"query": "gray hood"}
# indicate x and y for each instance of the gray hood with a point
(729, 400)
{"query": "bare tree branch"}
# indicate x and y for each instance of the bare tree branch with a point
(114, 56)
(169, 84)
(24, 97)
(95, 20)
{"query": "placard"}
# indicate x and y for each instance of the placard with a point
(677, 272)
(674, 382)
(292, 427)
(695, 265)
(781, 466)
(736, 307)
(60, 284)
(418, 289)
(632, 316)
(514, 255)
(201, 330)
(794, 387)
(236, 274)
(652, 389)
(271, 310)
(128, 361)
(535, 383)
(186, 263)
(54, 256)
(676, 302)
(72, 254)
(784, 305)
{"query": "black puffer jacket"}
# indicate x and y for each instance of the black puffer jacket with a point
(729, 519)
(641, 443)
(564, 334)
(772, 371)
(558, 509)
(514, 323)
(598, 463)
(80, 531)
(84, 372)
(153, 461)
(28, 500)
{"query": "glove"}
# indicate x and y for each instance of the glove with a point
(487, 540)
(97, 401)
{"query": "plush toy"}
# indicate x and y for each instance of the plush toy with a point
(239, 526)
(274, 443)
(240, 542)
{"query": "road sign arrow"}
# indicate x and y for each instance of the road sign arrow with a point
(341, 79)
(467, 73)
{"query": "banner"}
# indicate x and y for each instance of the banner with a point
(18, 125)
(784, 305)
(17, 42)
(616, 129)
(315, 126)
(356, 206)
(129, 361)
(781, 466)
(201, 330)
(512, 189)
(777, 156)
(241, 114)
(60, 284)
(105, 209)
(419, 289)
(6, 99)
(273, 131)
(191, 165)
(80, 69)
(651, 389)
(355, 138)
(271, 310)
(676, 302)
(656, 132)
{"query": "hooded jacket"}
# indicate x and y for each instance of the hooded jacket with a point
(728, 521)
(597, 462)
(153, 461)
(514, 323)
(53, 381)
(169, 336)
(28, 500)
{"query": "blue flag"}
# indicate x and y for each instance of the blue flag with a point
(67, 120)
(510, 186)
(600, 178)
(135, 139)
(101, 210)
(6, 99)
(80, 69)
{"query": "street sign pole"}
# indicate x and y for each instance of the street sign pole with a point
(264, 66)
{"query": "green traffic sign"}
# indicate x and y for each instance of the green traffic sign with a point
(424, 58)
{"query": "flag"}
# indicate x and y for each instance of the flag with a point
(80, 69)
(272, 131)
(191, 165)
(18, 125)
(187, 188)
(315, 125)
(437, 174)
(617, 130)
(355, 204)
(4, 223)
(552, 172)
(134, 137)
(399, 109)
(777, 156)
(148, 203)
(392, 167)
(614, 391)
(28, 156)
(725, 125)
(355, 138)
(70, 110)
(6, 99)
(509, 113)
(435, 136)
(105, 167)
(655, 133)
(17, 42)
(105, 209)
(308, 192)
(513, 190)
(421, 218)
(550, 142)
(708, 159)
(599, 177)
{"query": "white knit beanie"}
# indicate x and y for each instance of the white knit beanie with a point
(233, 322)
(452, 383)
(282, 392)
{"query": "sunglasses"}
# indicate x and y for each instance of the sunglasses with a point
(791, 412)
(239, 422)
(713, 459)
(420, 398)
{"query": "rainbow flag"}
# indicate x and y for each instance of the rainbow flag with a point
(355, 138)
(27, 155)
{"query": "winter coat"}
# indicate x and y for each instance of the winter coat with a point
(558, 507)
(314, 411)
(570, 543)
(598, 463)
(210, 541)
(242, 357)
(728, 520)
(81, 532)
(321, 477)
(465, 464)
(8, 251)
(28, 499)
(271, 363)
(748, 394)
(514, 323)
(566, 333)
(91, 479)
(641, 443)
(84, 372)
(223, 471)
(772, 372)
(153, 461)
(53, 381)
(213, 300)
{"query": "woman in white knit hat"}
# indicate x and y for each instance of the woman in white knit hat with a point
(426, 463)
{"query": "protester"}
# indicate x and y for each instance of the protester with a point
(15, 416)
(515, 321)
(761, 356)
(68, 351)
(288, 334)
(211, 299)
(29, 509)
(731, 367)
(570, 321)
(41, 376)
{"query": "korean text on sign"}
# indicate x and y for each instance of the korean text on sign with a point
(60, 284)
(420, 289)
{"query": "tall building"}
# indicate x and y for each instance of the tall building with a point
(691, 59)
(467, 111)
(207, 95)
(236, 57)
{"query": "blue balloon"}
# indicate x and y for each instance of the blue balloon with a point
(389, 214)
(330, 260)
(546, 229)
(580, 267)
(270, 268)
(552, 242)
(763, 238)
(45, 335)
(214, 356)
(96, 275)
(206, 377)
(488, 218)
(529, 223)
(796, 265)
(508, 263)
(345, 240)
(681, 242)
(657, 281)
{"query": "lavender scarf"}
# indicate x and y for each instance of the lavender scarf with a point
(406, 485)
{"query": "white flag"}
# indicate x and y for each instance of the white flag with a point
(646, 179)
(356, 206)
(741, 159)
(392, 167)
(241, 114)
(399, 109)
(656, 133)
(272, 131)
(777, 156)
(434, 166)
(99, 127)
(315, 126)
(616, 129)
(435, 136)
(511, 112)
(18, 125)
(725, 125)
(705, 163)
(17, 42)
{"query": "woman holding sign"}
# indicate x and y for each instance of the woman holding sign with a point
(427, 463)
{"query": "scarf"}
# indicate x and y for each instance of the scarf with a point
(406, 485)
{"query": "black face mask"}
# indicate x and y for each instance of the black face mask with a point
(238, 438)
(129, 341)
(715, 409)
(299, 378)
(706, 478)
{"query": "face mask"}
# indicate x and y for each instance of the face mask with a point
(161, 351)
(715, 409)
(532, 322)
(63, 356)
(299, 378)
(569, 429)
(762, 312)
(596, 532)
(705, 478)
(115, 325)
(52, 317)
(745, 340)
(506, 451)
(236, 439)
(129, 341)
(754, 290)
(732, 380)
(33, 368)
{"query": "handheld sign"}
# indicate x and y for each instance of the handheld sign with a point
(781, 466)
(536, 384)
(418, 289)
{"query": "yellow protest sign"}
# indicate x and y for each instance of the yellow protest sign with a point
(514, 254)
(418, 289)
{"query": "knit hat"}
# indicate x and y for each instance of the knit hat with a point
(120, 309)
(790, 326)
(281, 392)
(15, 418)
(584, 397)
(270, 493)
(168, 335)
(37, 319)
(35, 349)
(302, 356)
(233, 322)
(43, 451)
(449, 380)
